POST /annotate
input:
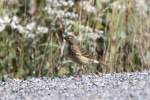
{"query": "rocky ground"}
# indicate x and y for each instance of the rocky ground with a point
(127, 86)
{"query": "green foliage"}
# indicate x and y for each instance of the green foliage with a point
(22, 57)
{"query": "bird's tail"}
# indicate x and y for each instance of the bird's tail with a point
(103, 63)
(98, 62)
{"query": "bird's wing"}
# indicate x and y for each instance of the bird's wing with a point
(75, 50)
(86, 53)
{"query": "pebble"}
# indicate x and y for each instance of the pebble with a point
(125, 86)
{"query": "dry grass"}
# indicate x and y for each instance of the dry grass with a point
(123, 46)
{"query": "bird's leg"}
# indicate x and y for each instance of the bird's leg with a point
(80, 71)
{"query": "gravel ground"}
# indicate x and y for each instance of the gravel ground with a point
(127, 86)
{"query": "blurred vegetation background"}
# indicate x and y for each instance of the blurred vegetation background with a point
(31, 35)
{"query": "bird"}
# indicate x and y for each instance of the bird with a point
(77, 54)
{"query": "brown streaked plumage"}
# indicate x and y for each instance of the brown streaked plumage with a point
(77, 54)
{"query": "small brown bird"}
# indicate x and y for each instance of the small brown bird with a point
(77, 54)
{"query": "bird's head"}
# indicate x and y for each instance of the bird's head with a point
(70, 39)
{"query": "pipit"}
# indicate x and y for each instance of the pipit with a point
(79, 55)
